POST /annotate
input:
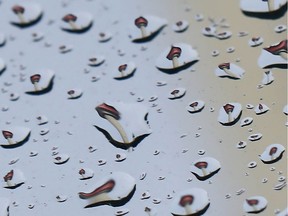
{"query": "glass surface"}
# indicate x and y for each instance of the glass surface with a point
(177, 135)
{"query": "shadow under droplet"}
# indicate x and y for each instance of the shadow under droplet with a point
(44, 91)
(18, 144)
(198, 213)
(121, 145)
(280, 66)
(229, 77)
(203, 178)
(268, 15)
(80, 31)
(262, 112)
(115, 203)
(275, 160)
(16, 186)
(174, 98)
(26, 25)
(196, 111)
(233, 122)
(125, 77)
(150, 37)
(257, 212)
(3, 70)
(176, 70)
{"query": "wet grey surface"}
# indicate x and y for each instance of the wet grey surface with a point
(75, 131)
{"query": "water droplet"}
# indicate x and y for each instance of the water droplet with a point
(61, 198)
(145, 195)
(120, 157)
(142, 175)
(255, 137)
(252, 164)
(281, 178)
(156, 200)
(201, 152)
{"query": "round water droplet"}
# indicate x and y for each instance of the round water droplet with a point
(215, 53)
(156, 200)
(145, 195)
(61, 198)
(120, 157)
(255, 137)
(230, 49)
(227, 196)
(201, 152)
(140, 99)
(241, 144)
(33, 153)
(101, 162)
(281, 178)
(153, 98)
(142, 175)
(31, 205)
(252, 164)
(44, 131)
(122, 211)
(156, 152)
(249, 106)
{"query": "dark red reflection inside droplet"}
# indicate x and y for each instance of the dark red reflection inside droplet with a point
(186, 200)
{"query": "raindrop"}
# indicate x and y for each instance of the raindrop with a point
(215, 53)
(104, 37)
(37, 36)
(254, 204)
(242, 34)
(264, 180)
(14, 96)
(180, 26)
(121, 212)
(140, 99)
(255, 137)
(156, 152)
(156, 201)
(230, 49)
(199, 17)
(153, 98)
(176, 93)
(142, 175)
(74, 93)
(120, 157)
(61, 159)
(101, 162)
(246, 121)
(61, 198)
(227, 196)
(85, 173)
(33, 153)
(13, 161)
(255, 41)
(145, 195)
(249, 106)
(44, 131)
(281, 178)
(31, 205)
(161, 83)
(240, 191)
(65, 48)
(78, 22)
(252, 164)
(280, 28)
(26, 14)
